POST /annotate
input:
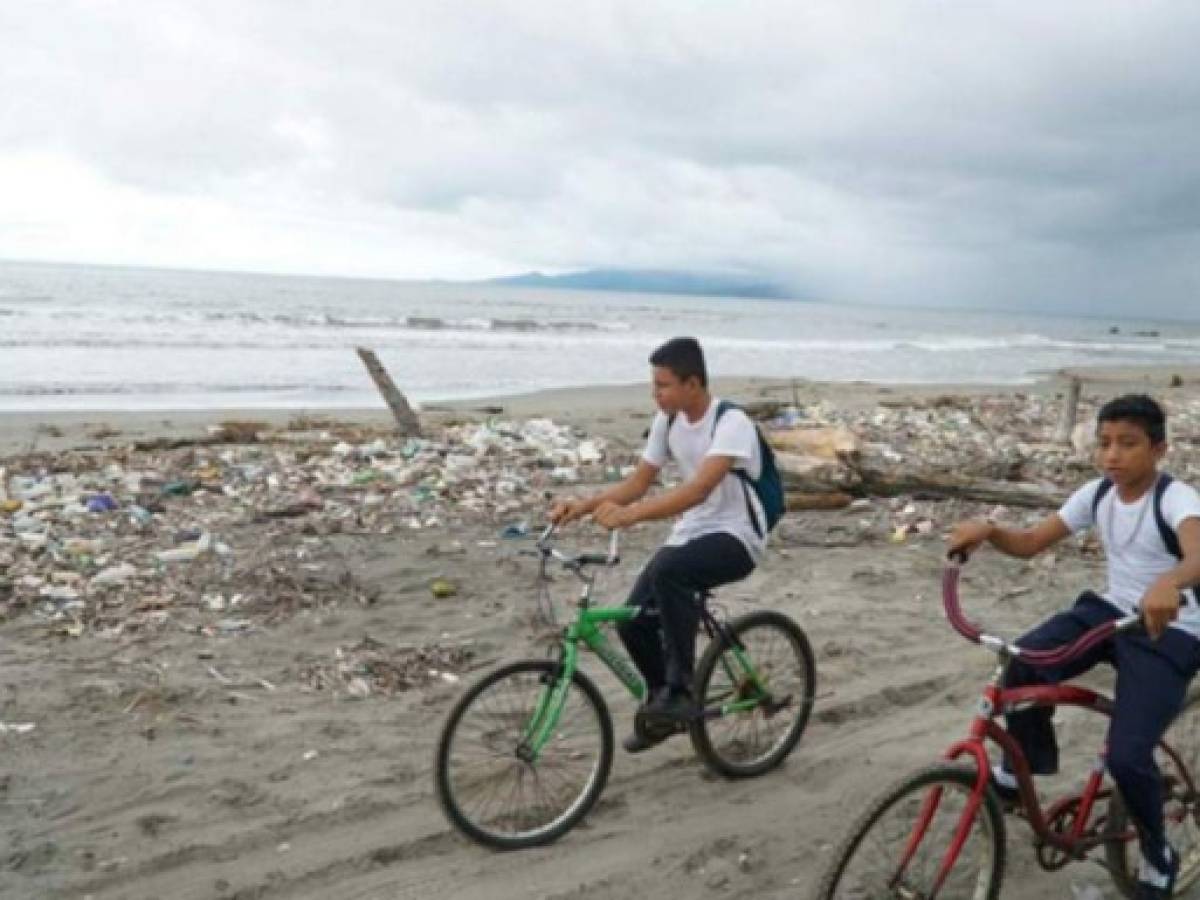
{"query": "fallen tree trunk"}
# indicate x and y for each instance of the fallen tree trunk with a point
(799, 500)
(924, 486)
(944, 485)
(177, 443)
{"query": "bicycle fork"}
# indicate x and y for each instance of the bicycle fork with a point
(551, 700)
(929, 807)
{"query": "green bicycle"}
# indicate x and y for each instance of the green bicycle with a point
(526, 751)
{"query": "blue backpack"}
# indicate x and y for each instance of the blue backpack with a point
(768, 487)
(1169, 538)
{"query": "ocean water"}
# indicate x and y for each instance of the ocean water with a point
(85, 337)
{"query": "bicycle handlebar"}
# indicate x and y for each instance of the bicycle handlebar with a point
(611, 558)
(1041, 658)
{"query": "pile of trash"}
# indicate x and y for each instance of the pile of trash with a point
(1009, 437)
(898, 464)
(370, 667)
(126, 538)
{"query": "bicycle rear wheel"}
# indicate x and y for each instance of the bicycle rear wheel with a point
(1181, 805)
(490, 785)
(756, 739)
(871, 862)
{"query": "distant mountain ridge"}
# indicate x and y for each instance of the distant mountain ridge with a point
(650, 281)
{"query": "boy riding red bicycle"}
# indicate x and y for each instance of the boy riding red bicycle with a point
(1149, 525)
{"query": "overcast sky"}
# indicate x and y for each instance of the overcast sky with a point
(1012, 155)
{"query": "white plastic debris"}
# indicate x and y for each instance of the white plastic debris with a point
(186, 552)
(113, 575)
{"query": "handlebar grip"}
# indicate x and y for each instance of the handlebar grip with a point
(594, 559)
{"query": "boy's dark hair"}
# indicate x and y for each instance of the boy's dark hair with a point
(1139, 409)
(683, 356)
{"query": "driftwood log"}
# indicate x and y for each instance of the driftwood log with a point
(826, 467)
(929, 485)
(799, 500)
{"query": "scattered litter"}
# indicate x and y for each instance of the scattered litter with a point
(101, 503)
(443, 588)
(371, 667)
(17, 727)
(190, 520)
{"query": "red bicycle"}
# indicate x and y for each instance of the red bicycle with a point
(939, 833)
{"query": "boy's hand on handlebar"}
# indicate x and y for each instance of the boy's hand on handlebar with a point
(612, 516)
(1160, 606)
(567, 509)
(967, 536)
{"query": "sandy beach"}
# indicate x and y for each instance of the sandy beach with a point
(185, 758)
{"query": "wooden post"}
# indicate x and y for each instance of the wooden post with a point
(406, 419)
(1066, 424)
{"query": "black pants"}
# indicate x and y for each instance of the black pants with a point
(666, 592)
(1152, 681)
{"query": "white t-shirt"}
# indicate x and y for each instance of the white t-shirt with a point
(1133, 546)
(724, 510)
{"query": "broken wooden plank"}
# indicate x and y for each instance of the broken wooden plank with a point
(406, 419)
(1066, 422)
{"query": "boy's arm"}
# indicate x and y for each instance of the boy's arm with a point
(1160, 605)
(632, 488)
(669, 503)
(1019, 542)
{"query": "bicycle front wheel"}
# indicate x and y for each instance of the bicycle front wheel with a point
(490, 784)
(899, 846)
(772, 699)
(1181, 805)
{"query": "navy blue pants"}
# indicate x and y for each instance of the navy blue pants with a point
(670, 616)
(1152, 681)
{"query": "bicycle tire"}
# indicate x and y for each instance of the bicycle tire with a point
(841, 880)
(510, 829)
(721, 742)
(1122, 857)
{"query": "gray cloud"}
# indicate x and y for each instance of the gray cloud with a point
(984, 154)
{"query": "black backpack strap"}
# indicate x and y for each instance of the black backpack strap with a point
(667, 437)
(1102, 488)
(1169, 538)
(723, 407)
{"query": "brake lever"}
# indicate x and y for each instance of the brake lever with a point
(614, 547)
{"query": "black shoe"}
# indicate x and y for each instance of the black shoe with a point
(638, 740)
(674, 707)
(1159, 888)
(649, 733)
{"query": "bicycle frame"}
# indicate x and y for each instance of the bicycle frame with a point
(587, 629)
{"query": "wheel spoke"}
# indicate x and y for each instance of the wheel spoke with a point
(755, 739)
(889, 856)
(490, 784)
